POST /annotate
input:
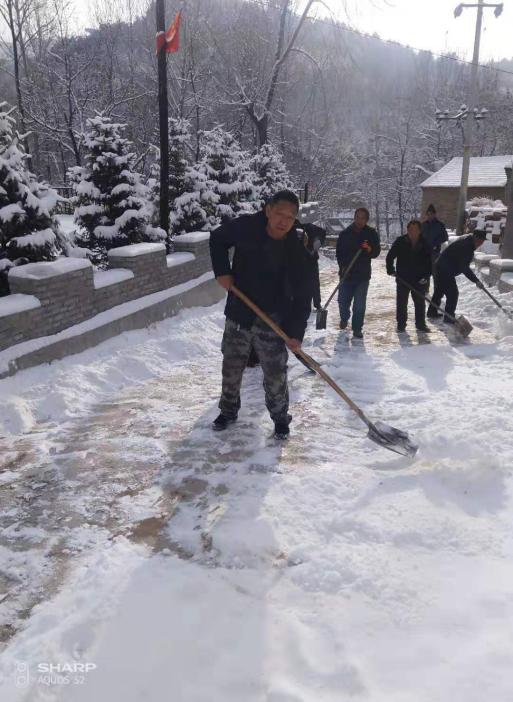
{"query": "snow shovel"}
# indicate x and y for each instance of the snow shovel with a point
(322, 314)
(461, 323)
(494, 299)
(379, 432)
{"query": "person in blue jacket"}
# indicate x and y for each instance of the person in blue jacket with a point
(353, 291)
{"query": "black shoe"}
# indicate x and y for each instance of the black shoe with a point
(342, 325)
(281, 430)
(221, 422)
(448, 320)
(424, 329)
(358, 334)
(400, 329)
(433, 315)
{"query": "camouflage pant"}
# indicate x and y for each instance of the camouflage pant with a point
(272, 354)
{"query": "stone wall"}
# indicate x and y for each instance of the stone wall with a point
(446, 200)
(47, 298)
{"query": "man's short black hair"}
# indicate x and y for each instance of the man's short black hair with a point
(480, 233)
(364, 210)
(285, 196)
(414, 221)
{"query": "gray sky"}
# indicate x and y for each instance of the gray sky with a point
(430, 24)
(424, 24)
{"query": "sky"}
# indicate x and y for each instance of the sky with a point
(431, 25)
(423, 24)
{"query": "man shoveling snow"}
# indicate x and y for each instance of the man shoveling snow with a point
(271, 265)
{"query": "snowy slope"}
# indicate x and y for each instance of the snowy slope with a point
(191, 566)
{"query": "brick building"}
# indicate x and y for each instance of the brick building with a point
(487, 178)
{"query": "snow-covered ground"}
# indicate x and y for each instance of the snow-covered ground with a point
(189, 566)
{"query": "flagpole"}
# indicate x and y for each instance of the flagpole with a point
(163, 122)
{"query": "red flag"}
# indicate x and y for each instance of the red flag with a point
(170, 40)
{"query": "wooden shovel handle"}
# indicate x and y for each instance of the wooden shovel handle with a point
(311, 362)
(426, 298)
(351, 262)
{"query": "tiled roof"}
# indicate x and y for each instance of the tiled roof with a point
(484, 171)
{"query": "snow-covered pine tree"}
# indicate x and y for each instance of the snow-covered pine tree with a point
(112, 205)
(28, 229)
(226, 167)
(179, 139)
(153, 185)
(190, 207)
(271, 172)
(195, 209)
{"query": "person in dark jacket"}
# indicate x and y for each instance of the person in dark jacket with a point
(315, 239)
(312, 240)
(355, 287)
(454, 261)
(271, 266)
(434, 234)
(412, 258)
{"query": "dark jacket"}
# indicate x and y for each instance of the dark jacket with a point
(457, 257)
(275, 275)
(314, 234)
(412, 263)
(349, 241)
(435, 234)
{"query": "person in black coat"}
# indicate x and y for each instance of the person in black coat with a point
(412, 258)
(353, 291)
(434, 233)
(454, 261)
(272, 267)
(313, 238)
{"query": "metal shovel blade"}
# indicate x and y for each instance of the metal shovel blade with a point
(463, 326)
(392, 438)
(321, 319)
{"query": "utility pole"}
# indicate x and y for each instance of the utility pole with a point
(469, 123)
(163, 122)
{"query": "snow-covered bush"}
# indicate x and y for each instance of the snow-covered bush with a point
(112, 205)
(29, 230)
(226, 168)
(191, 196)
(271, 174)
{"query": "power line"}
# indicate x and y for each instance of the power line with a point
(364, 35)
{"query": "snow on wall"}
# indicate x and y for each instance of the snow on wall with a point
(176, 259)
(103, 279)
(72, 292)
(10, 354)
(49, 269)
(135, 250)
(12, 304)
(193, 237)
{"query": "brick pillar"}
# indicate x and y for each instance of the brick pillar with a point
(146, 261)
(64, 288)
